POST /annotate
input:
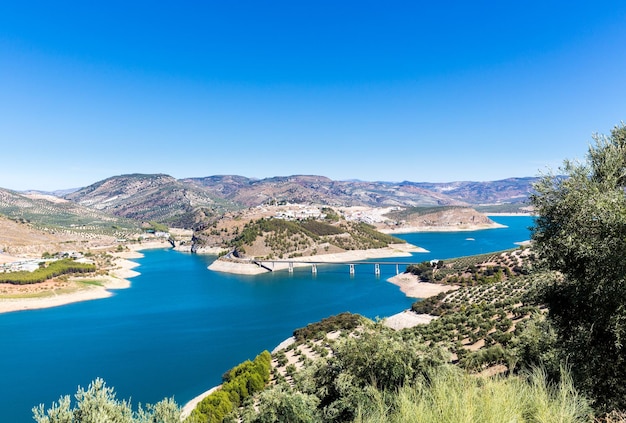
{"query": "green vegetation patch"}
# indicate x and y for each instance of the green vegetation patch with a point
(99, 403)
(343, 321)
(482, 269)
(293, 237)
(52, 270)
(239, 384)
(320, 228)
(486, 325)
(503, 208)
(254, 229)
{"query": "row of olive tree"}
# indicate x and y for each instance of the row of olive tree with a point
(52, 270)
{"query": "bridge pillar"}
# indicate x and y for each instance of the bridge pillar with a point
(291, 267)
(314, 268)
(377, 269)
(397, 270)
(352, 269)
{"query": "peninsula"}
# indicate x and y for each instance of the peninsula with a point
(300, 235)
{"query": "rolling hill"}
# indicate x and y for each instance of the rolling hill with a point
(157, 197)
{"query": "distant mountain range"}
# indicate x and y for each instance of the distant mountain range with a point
(186, 202)
(322, 190)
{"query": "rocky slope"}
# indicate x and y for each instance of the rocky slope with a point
(192, 202)
(319, 190)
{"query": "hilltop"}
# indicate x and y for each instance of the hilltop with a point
(320, 190)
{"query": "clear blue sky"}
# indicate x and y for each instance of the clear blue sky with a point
(371, 90)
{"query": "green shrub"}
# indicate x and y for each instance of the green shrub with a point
(240, 383)
(98, 403)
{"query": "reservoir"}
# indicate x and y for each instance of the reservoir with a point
(181, 326)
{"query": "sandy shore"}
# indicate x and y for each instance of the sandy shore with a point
(5, 258)
(510, 214)
(243, 268)
(412, 287)
(150, 245)
(407, 319)
(456, 228)
(116, 279)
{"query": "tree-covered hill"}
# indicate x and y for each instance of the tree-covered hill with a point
(282, 238)
(51, 213)
(159, 198)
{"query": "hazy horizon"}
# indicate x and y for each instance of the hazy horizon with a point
(76, 188)
(348, 90)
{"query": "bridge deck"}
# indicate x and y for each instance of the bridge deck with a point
(336, 262)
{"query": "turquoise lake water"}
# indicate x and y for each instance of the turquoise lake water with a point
(180, 326)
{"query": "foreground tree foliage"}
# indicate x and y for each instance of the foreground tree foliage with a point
(377, 376)
(99, 404)
(581, 233)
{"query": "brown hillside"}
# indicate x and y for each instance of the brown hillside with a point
(21, 239)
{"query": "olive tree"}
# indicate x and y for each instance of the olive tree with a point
(98, 403)
(580, 232)
(376, 358)
(281, 403)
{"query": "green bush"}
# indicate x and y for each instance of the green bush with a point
(240, 383)
(99, 404)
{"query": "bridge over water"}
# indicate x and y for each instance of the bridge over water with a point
(273, 265)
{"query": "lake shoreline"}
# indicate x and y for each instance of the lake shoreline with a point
(118, 278)
(409, 284)
(456, 228)
(412, 287)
